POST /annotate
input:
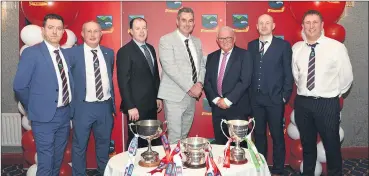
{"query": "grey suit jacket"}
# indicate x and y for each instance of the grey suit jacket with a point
(176, 76)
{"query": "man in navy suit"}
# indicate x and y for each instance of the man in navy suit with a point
(271, 88)
(43, 85)
(93, 104)
(227, 78)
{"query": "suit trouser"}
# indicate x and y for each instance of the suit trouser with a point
(180, 117)
(266, 112)
(319, 115)
(51, 139)
(144, 115)
(98, 116)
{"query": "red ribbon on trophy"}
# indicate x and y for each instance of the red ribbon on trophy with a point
(227, 154)
(167, 159)
(211, 168)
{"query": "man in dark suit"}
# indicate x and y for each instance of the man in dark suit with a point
(227, 78)
(43, 84)
(93, 104)
(138, 78)
(271, 89)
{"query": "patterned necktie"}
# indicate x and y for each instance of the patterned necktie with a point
(311, 69)
(194, 73)
(98, 83)
(261, 50)
(221, 73)
(148, 58)
(63, 78)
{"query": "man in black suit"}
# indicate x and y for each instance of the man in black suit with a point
(270, 89)
(138, 78)
(228, 76)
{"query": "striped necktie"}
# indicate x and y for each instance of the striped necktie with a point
(98, 83)
(148, 58)
(261, 50)
(63, 77)
(311, 68)
(194, 73)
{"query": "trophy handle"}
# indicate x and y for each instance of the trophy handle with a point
(130, 127)
(253, 126)
(221, 127)
(166, 126)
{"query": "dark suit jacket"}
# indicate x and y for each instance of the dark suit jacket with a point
(35, 83)
(276, 68)
(236, 81)
(78, 68)
(137, 85)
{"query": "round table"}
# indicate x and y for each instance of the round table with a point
(117, 163)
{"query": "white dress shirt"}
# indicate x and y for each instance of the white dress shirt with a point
(192, 49)
(66, 69)
(269, 42)
(333, 70)
(90, 74)
(227, 102)
(139, 44)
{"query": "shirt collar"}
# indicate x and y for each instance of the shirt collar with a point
(229, 52)
(267, 38)
(183, 38)
(89, 48)
(139, 44)
(51, 47)
(320, 39)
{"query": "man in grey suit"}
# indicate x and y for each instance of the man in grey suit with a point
(183, 72)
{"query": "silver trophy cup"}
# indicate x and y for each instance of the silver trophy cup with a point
(238, 131)
(148, 130)
(194, 151)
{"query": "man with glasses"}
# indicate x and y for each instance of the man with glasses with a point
(228, 76)
(271, 88)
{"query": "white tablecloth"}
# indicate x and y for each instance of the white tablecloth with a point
(117, 163)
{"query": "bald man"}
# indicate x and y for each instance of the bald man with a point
(227, 79)
(93, 102)
(271, 88)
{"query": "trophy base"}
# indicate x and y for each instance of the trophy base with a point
(238, 162)
(195, 166)
(144, 164)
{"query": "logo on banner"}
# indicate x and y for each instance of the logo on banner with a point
(206, 107)
(209, 22)
(173, 6)
(240, 22)
(280, 36)
(276, 6)
(106, 23)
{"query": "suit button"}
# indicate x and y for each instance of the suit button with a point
(56, 101)
(57, 90)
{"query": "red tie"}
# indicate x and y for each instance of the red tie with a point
(221, 73)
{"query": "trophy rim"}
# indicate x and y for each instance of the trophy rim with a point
(196, 143)
(148, 122)
(238, 122)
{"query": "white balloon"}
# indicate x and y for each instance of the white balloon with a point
(71, 124)
(21, 109)
(36, 158)
(32, 170)
(342, 134)
(31, 35)
(71, 39)
(293, 132)
(318, 168)
(26, 124)
(321, 157)
(292, 117)
(21, 49)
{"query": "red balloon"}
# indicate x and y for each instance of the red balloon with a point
(296, 148)
(64, 38)
(65, 170)
(335, 31)
(28, 142)
(68, 153)
(35, 11)
(297, 35)
(29, 156)
(324, 168)
(330, 10)
(341, 103)
(295, 163)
